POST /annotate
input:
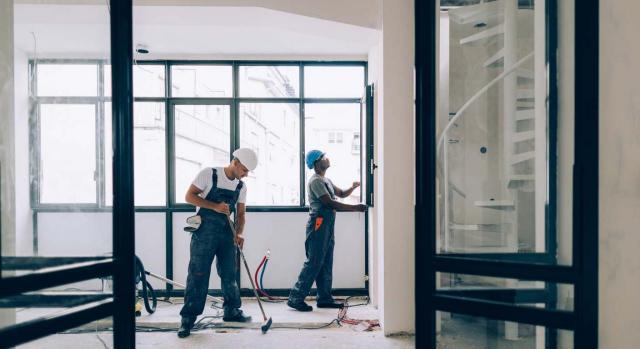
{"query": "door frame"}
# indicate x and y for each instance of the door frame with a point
(583, 274)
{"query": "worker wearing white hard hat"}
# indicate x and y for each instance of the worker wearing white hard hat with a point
(217, 192)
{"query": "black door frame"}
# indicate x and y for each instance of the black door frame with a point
(583, 274)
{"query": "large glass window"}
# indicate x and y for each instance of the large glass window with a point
(201, 81)
(202, 139)
(333, 82)
(68, 164)
(273, 131)
(76, 80)
(327, 128)
(212, 108)
(269, 81)
(148, 80)
(149, 154)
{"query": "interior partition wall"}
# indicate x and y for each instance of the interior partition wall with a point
(507, 173)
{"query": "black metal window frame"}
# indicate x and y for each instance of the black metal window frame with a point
(171, 206)
(582, 274)
(169, 101)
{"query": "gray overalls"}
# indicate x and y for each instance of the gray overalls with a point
(318, 266)
(213, 239)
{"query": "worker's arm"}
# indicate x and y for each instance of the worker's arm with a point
(345, 193)
(327, 201)
(194, 198)
(240, 219)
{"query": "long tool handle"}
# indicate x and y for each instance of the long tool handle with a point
(246, 265)
(253, 286)
(159, 277)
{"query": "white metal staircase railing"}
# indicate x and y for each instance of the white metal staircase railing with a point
(515, 102)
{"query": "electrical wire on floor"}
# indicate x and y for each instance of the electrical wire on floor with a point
(362, 325)
(208, 323)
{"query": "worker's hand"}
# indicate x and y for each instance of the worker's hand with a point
(240, 240)
(355, 185)
(221, 207)
(361, 207)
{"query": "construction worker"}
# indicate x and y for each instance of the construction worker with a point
(320, 240)
(218, 192)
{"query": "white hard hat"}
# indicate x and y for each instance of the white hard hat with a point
(247, 157)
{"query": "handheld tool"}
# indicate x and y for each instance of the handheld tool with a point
(267, 321)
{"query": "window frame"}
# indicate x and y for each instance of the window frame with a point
(234, 101)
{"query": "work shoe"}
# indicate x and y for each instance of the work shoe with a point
(237, 317)
(185, 327)
(333, 305)
(302, 306)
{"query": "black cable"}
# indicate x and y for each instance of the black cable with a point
(147, 289)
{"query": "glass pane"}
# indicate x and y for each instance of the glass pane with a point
(201, 81)
(520, 292)
(203, 139)
(51, 141)
(335, 82)
(493, 131)
(273, 131)
(77, 80)
(149, 154)
(68, 164)
(269, 81)
(471, 332)
(96, 334)
(335, 129)
(148, 80)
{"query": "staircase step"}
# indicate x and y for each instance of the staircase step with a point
(527, 94)
(525, 104)
(483, 35)
(493, 228)
(523, 136)
(522, 157)
(525, 114)
(476, 13)
(496, 204)
(497, 60)
(524, 74)
(520, 181)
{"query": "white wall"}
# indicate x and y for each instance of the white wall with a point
(619, 174)
(395, 188)
(375, 77)
(7, 157)
(89, 234)
(24, 242)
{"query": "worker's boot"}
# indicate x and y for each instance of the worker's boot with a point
(186, 324)
(237, 316)
(334, 305)
(302, 306)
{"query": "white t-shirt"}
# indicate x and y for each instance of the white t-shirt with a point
(204, 183)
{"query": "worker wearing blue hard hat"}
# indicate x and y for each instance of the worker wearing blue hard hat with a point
(320, 239)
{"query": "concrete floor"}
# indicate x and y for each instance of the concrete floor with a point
(166, 320)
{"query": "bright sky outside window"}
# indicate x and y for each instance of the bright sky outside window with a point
(203, 139)
(272, 130)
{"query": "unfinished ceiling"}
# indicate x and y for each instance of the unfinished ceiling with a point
(189, 32)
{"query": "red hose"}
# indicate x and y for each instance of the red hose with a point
(255, 277)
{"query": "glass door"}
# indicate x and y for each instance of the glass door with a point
(494, 176)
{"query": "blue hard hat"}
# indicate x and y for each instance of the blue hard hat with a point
(312, 157)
